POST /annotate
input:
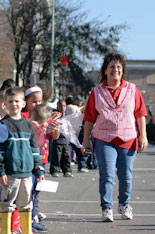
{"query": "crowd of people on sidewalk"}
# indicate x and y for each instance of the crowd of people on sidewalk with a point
(103, 133)
(30, 139)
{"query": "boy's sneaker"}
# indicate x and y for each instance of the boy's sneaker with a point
(107, 215)
(126, 211)
(39, 227)
(41, 217)
(68, 174)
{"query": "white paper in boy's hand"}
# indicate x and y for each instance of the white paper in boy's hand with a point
(47, 186)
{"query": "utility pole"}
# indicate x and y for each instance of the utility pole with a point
(52, 45)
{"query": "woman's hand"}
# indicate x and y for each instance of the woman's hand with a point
(86, 146)
(142, 143)
(142, 139)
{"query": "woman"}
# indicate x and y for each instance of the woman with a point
(117, 109)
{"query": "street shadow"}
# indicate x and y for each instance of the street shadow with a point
(148, 153)
(75, 220)
(144, 227)
(70, 220)
(144, 190)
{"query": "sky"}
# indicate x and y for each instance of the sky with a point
(137, 42)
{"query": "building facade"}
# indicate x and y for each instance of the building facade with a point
(142, 73)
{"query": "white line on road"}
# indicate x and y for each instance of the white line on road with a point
(144, 169)
(64, 201)
(134, 169)
(98, 215)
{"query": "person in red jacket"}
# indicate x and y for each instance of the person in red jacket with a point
(34, 96)
(115, 114)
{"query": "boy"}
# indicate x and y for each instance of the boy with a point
(19, 156)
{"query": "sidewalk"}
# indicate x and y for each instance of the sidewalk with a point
(75, 208)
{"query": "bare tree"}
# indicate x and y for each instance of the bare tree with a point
(76, 38)
(28, 21)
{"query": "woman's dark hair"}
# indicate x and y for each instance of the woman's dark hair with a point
(8, 84)
(112, 56)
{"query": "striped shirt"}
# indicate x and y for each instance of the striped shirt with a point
(19, 154)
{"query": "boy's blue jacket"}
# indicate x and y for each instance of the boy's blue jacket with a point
(19, 153)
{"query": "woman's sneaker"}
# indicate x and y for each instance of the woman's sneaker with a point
(126, 211)
(107, 215)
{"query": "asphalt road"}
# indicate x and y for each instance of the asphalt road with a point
(75, 207)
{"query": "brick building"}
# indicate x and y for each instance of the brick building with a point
(142, 73)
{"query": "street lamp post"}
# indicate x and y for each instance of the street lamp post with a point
(52, 46)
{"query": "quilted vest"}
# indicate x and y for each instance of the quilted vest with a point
(115, 120)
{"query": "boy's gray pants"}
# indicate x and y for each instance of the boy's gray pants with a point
(16, 194)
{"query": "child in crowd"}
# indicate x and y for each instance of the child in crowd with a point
(5, 85)
(15, 222)
(41, 116)
(44, 127)
(8, 84)
(3, 128)
(71, 108)
(47, 96)
(3, 137)
(2, 104)
(61, 150)
(33, 97)
(21, 155)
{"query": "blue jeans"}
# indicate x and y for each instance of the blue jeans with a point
(109, 157)
(35, 194)
(35, 197)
